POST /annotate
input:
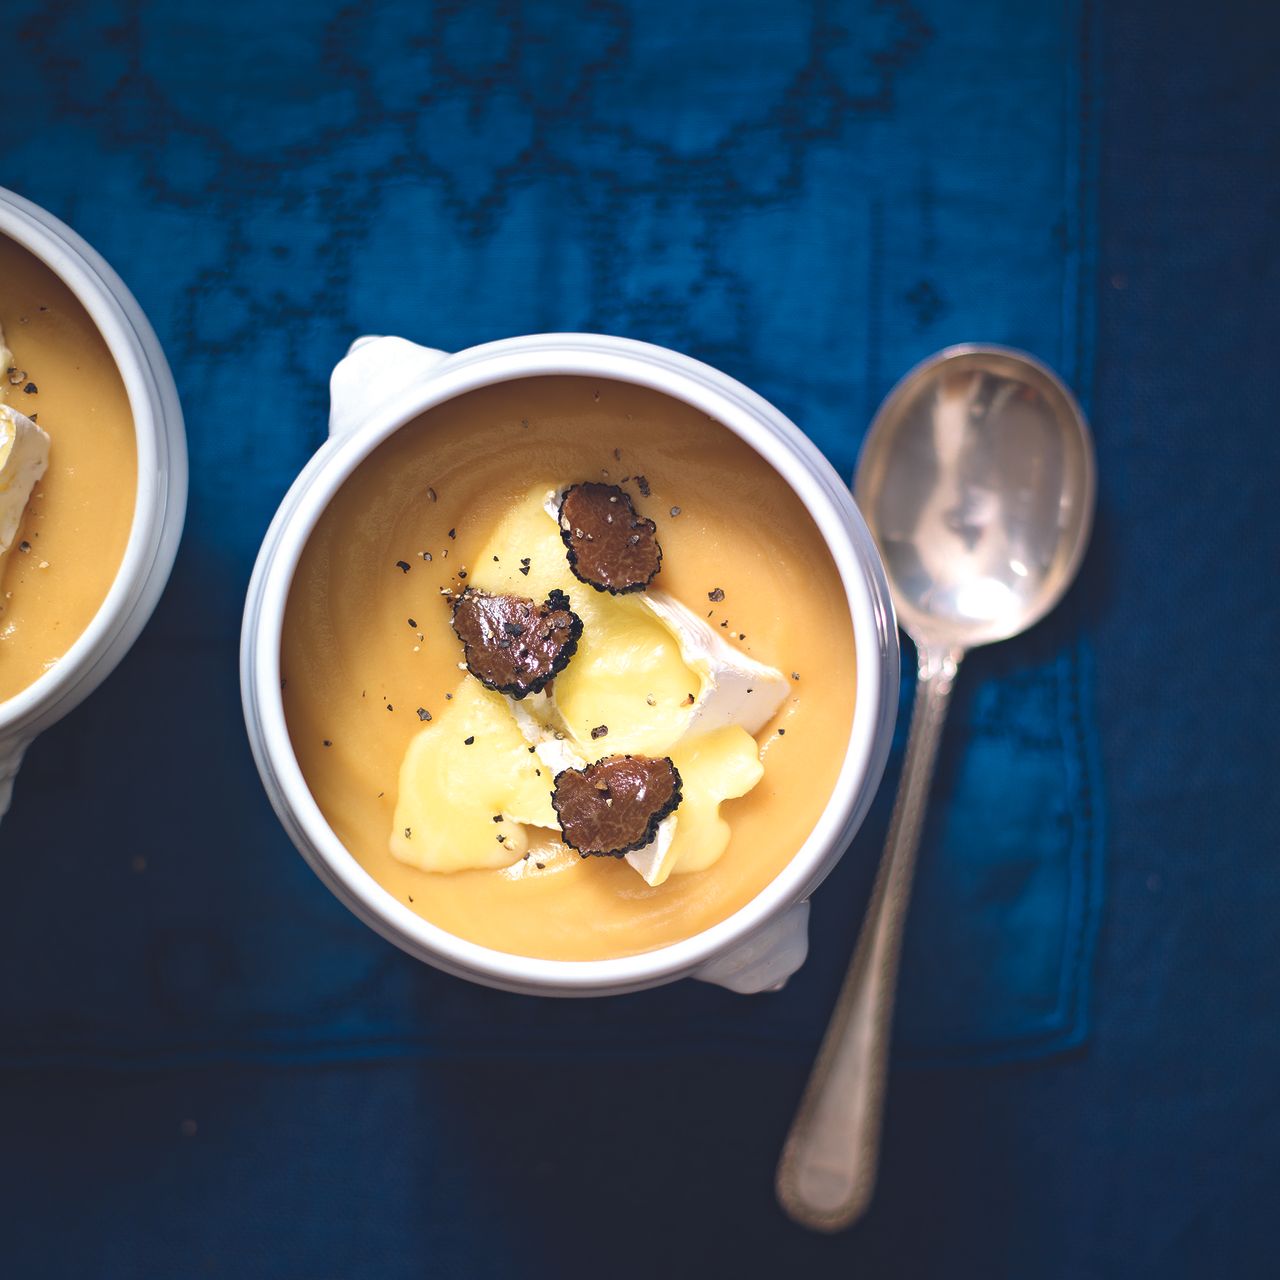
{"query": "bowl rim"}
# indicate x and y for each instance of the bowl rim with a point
(99, 290)
(761, 426)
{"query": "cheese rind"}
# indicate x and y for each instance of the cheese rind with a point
(736, 690)
(6, 363)
(24, 458)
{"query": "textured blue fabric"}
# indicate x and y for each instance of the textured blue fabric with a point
(892, 165)
(812, 199)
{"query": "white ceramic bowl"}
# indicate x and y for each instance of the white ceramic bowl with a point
(384, 383)
(162, 482)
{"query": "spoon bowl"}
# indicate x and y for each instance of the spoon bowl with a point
(977, 481)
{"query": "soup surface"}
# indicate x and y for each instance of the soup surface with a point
(356, 673)
(78, 518)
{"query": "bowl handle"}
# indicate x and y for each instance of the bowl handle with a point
(11, 754)
(372, 373)
(765, 960)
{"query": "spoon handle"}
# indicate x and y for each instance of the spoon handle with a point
(827, 1171)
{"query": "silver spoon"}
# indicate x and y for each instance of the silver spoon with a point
(977, 479)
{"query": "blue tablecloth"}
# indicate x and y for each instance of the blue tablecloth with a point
(208, 1067)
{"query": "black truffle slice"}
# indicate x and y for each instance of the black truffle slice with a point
(610, 547)
(615, 805)
(513, 645)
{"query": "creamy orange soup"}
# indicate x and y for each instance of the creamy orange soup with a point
(356, 673)
(78, 519)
